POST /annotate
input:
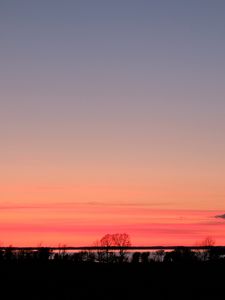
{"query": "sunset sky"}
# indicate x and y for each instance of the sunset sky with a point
(112, 119)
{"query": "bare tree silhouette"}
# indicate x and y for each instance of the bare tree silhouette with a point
(209, 242)
(159, 255)
(121, 240)
(107, 242)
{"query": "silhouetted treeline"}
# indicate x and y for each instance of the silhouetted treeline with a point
(111, 254)
(181, 273)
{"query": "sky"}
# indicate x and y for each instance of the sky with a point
(112, 119)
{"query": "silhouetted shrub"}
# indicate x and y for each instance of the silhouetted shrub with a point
(145, 257)
(136, 257)
(180, 255)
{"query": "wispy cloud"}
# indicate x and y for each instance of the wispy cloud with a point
(16, 207)
(220, 216)
(83, 204)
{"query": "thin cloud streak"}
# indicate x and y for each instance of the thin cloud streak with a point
(82, 223)
(220, 216)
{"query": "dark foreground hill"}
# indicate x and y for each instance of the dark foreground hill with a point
(109, 273)
(64, 280)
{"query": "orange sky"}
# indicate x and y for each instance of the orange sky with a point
(112, 119)
(158, 217)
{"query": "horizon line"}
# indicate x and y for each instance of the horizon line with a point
(114, 247)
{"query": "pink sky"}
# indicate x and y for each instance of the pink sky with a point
(83, 223)
(77, 210)
(112, 119)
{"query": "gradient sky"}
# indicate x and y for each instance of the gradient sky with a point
(112, 119)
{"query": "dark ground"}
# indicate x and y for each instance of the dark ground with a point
(60, 280)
